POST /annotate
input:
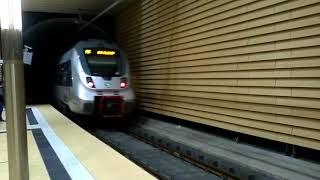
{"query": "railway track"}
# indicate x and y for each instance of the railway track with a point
(166, 159)
(188, 159)
(159, 161)
(226, 169)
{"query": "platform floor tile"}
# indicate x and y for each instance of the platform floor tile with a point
(2, 127)
(101, 161)
(37, 169)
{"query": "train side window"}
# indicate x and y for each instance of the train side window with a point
(59, 74)
(63, 74)
(66, 74)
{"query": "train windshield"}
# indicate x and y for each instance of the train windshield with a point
(103, 64)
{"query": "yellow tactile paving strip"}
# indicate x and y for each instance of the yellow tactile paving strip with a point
(3, 156)
(37, 169)
(2, 123)
(100, 160)
(2, 126)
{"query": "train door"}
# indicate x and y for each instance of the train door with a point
(64, 81)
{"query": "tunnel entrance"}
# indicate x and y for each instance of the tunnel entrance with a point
(49, 39)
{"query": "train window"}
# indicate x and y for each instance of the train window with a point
(64, 75)
(58, 75)
(103, 66)
(66, 71)
(102, 62)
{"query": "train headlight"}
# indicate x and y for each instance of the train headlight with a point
(123, 83)
(90, 82)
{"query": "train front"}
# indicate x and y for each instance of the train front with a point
(104, 87)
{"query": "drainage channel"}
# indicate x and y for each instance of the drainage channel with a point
(158, 161)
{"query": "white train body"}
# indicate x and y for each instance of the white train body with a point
(93, 78)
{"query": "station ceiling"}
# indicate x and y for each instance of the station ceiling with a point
(71, 6)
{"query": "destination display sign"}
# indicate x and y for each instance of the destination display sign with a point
(100, 52)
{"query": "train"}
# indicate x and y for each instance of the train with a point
(92, 78)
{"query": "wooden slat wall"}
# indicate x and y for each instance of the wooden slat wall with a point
(251, 66)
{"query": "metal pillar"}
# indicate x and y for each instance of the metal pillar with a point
(11, 45)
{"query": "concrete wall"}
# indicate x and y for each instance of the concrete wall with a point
(249, 66)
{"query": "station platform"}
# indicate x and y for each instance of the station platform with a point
(60, 150)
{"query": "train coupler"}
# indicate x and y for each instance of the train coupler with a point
(110, 106)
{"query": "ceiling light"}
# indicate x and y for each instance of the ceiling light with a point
(10, 14)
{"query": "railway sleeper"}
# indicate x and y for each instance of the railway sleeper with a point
(198, 156)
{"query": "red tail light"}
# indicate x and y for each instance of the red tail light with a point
(90, 82)
(123, 83)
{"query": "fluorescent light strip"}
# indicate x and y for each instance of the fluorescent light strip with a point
(10, 14)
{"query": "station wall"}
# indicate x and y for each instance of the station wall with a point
(250, 66)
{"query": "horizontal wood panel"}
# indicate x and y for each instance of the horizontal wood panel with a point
(190, 8)
(257, 19)
(167, 68)
(208, 106)
(305, 142)
(222, 42)
(144, 14)
(246, 66)
(190, 17)
(255, 107)
(270, 91)
(284, 125)
(203, 52)
(260, 56)
(274, 73)
(219, 13)
(283, 101)
(219, 35)
(307, 83)
(203, 65)
(224, 118)
(302, 132)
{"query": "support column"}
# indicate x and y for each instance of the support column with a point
(14, 90)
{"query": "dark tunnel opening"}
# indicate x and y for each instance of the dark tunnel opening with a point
(50, 38)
